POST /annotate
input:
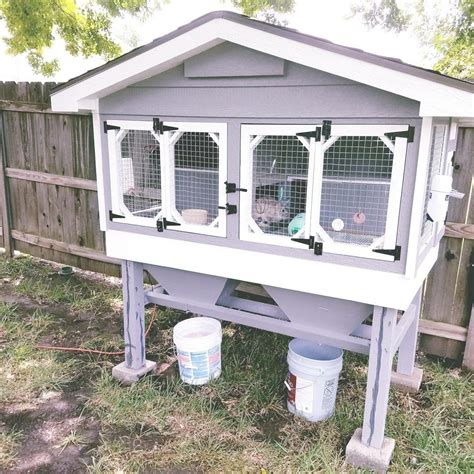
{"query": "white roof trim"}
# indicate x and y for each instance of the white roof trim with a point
(437, 100)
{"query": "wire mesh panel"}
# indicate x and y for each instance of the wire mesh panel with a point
(140, 173)
(279, 178)
(196, 176)
(357, 172)
(436, 154)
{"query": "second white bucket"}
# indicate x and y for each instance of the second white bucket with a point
(312, 379)
(198, 346)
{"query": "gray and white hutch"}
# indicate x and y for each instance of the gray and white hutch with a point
(231, 150)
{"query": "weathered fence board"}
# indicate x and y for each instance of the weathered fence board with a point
(446, 296)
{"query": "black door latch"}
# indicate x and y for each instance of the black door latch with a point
(229, 208)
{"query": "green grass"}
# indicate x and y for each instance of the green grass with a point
(9, 444)
(26, 372)
(238, 422)
(43, 284)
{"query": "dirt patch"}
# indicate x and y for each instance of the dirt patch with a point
(56, 437)
(56, 434)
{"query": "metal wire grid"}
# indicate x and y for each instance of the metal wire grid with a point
(355, 190)
(436, 154)
(140, 173)
(280, 176)
(196, 157)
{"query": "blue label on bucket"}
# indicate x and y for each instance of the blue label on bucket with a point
(199, 367)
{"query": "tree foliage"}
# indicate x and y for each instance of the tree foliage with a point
(445, 26)
(85, 26)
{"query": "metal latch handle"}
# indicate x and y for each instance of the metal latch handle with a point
(229, 208)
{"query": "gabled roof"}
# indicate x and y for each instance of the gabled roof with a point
(438, 94)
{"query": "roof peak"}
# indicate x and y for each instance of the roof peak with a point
(289, 33)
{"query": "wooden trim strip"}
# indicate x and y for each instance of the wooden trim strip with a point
(54, 179)
(33, 107)
(459, 231)
(447, 331)
(63, 247)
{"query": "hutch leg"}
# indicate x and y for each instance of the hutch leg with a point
(135, 364)
(408, 377)
(368, 448)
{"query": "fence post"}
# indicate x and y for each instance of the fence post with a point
(4, 194)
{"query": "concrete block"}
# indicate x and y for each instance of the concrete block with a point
(360, 455)
(407, 383)
(129, 376)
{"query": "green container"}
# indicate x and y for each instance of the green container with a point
(296, 224)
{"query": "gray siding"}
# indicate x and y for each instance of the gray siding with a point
(231, 60)
(300, 92)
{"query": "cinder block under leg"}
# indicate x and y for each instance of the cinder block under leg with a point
(407, 383)
(129, 376)
(360, 455)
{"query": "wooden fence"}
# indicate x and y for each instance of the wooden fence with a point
(449, 291)
(47, 180)
(49, 205)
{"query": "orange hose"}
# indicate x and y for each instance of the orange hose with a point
(92, 351)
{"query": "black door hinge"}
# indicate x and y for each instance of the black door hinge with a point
(408, 134)
(160, 127)
(309, 242)
(230, 208)
(326, 128)
(108, 127)
(316, 134)
(163, 224)
(312, 244)
(232, 188)
(395, 253)
(113, 216)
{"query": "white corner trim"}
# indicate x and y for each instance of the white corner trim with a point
(99, 166)
(419, 197)
(435, 99)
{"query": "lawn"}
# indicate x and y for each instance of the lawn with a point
(62, 411)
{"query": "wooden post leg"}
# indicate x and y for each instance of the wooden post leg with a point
(133, 314)
(407, 349)
(378, 379)
(135, 364)
(408, 378)
(368, 448)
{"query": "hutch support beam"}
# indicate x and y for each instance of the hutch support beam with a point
(320, 335)
(369, 448)
(408, 377)
(135, 364)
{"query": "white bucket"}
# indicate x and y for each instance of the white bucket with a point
(312, 379)
(198, 346)
(195, 216)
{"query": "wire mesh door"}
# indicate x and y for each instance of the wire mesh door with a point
(135, 154)
(195, 172)
(276, 166)
(356, 208)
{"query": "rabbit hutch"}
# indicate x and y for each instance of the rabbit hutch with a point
(235, 153)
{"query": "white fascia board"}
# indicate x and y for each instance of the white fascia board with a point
(138, 68)
(435, 99)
